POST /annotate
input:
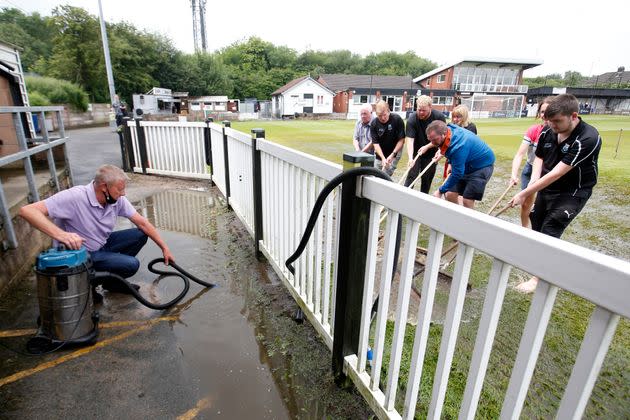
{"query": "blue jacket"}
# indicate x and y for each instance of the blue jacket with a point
(466, 153)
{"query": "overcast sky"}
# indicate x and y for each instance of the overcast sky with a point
(589, 37)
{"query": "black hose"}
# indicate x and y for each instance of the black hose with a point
(321, 199)
(178, 268)
(183, 274)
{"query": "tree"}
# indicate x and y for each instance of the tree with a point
(33, 33)
(68, 46)
(551, 80)
(133, 62)
(205, 74)
(77, 55)
(573, 78)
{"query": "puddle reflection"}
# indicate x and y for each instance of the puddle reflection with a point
(180, 211)
(259, 362)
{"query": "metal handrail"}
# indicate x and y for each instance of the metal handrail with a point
(25, 154)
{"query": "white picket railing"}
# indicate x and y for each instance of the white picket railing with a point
(603, 280)
(291, 182)
(218, 161)
(173, 148)
(241, 178)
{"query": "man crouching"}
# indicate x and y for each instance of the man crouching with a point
(86, 215)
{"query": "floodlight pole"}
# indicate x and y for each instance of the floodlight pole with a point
(115, 103)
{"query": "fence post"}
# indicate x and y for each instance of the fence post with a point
(142, 145)
(352, 249)
(226, 161)
(120, 130)
(130, 160)
(257, 133)
(207, 147)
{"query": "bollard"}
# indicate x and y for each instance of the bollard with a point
(351, 262)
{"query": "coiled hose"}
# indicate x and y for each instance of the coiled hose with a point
(351, 173)
(183, 274)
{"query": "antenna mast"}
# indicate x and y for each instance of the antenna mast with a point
(199, 24)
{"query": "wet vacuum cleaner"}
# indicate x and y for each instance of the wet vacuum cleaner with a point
(66, 312)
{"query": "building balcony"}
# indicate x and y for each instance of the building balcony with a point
(487, 88)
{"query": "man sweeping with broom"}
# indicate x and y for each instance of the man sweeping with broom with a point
(564, 172)
(472, 162)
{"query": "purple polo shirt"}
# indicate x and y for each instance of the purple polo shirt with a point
(77, 210)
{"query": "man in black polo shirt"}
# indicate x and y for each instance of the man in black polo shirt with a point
(564, 172)
(388, 137)
(417, 124)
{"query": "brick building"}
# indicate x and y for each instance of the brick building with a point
(490, 87)
(354, 90)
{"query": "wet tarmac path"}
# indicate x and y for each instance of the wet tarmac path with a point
(228, 352)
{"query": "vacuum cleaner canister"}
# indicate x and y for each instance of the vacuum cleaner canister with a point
(65, 302)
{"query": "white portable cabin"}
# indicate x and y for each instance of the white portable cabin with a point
(155, 101)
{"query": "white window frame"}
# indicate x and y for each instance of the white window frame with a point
(442, 100)
(358, 99)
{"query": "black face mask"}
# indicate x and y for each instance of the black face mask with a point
(108, 198)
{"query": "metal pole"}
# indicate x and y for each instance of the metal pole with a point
(352, 248)
(28, 166)
(50, 155)
(108, 66)
(66, 156)
(6, 223)
(618, 141)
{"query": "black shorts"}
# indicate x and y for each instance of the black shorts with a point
(552, 212)
(473, 185)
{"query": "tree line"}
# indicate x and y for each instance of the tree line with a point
(67, 45)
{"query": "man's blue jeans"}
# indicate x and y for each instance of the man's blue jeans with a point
(118, 255)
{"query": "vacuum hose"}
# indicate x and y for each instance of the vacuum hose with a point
(351, 173)
(183, 274)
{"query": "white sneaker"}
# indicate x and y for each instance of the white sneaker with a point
(528, 286)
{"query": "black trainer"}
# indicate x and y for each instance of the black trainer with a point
(116, 286)
(96, 296)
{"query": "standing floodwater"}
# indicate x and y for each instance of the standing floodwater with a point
(232, 351)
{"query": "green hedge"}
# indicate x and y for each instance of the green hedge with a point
(37, 99)
(46, 91)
